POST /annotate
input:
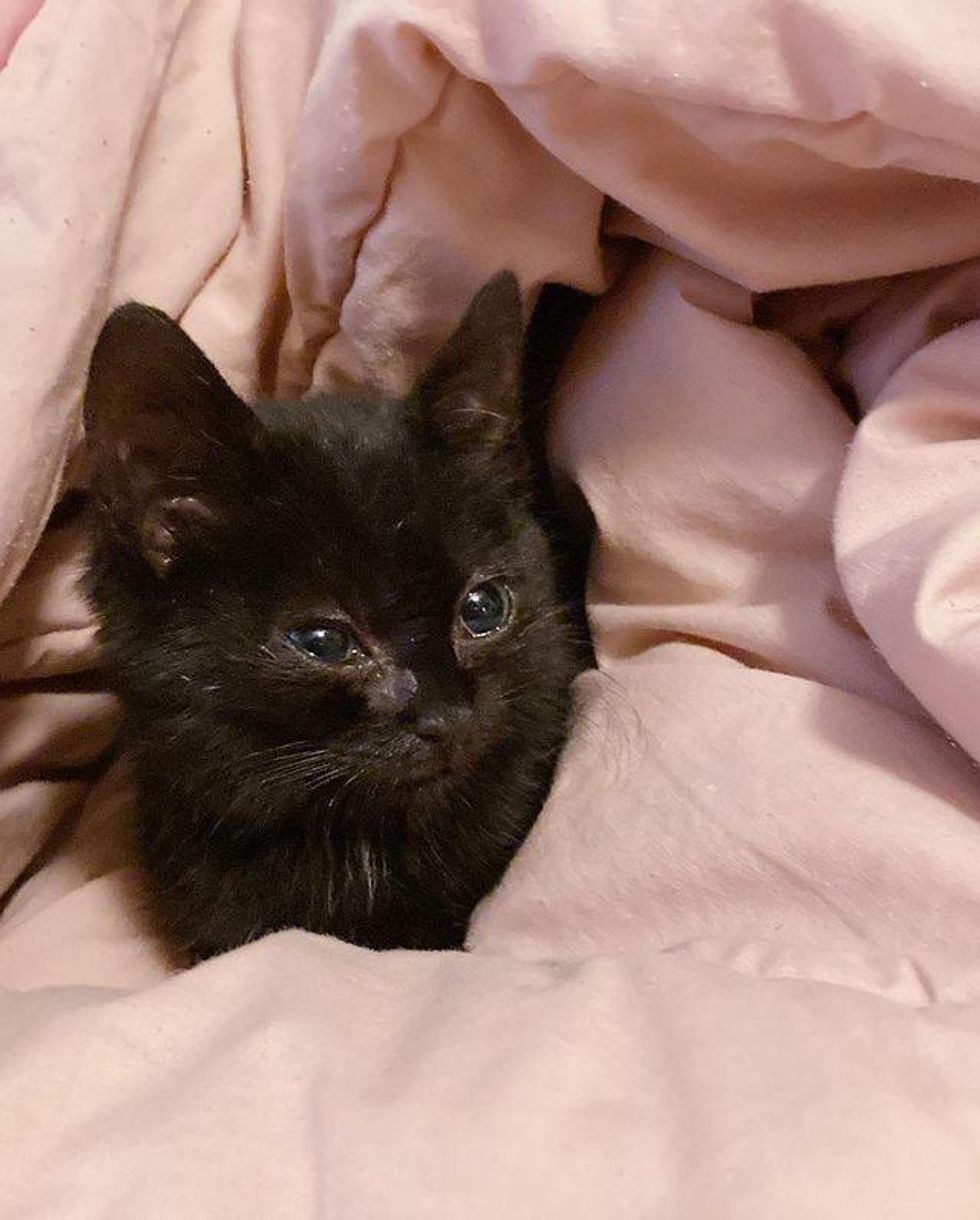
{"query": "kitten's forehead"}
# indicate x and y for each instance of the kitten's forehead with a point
(366, 509)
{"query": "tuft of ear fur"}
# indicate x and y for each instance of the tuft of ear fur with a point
(167, 436)
(470, 394)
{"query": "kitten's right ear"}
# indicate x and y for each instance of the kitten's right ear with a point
(167, 437)
(470, 393)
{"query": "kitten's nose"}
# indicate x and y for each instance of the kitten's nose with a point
(442, 721)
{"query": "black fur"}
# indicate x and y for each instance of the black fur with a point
(379, 801)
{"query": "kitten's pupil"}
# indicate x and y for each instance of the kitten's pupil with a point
(326, 642)
(486, 608)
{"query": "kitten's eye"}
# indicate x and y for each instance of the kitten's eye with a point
(486, 608)
(328, 643)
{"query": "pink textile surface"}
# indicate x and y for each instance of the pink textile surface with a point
(733, 972)
(15, 17)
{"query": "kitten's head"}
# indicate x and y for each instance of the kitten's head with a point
(330, 596)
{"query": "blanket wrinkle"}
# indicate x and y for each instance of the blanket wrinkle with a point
(902, 980)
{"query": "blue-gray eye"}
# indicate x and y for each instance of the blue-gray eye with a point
(328, 643)
(486, 608)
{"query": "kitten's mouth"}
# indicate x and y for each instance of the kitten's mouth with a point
(426, 764)
(423, 770)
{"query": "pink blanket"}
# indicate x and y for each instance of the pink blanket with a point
(734, 972)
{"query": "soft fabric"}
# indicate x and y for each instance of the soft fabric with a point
(15, 17)
(734, 971)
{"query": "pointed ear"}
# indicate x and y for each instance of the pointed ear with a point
(471, 391)
(168, 439)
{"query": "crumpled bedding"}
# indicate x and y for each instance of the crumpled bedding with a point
(734, 971)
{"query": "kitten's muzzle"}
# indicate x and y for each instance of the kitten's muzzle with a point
(435, 742)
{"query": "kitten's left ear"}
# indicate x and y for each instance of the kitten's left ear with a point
(471, 391)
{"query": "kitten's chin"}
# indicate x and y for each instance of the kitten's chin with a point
(426, 783)
(427, 767)
(433, 775)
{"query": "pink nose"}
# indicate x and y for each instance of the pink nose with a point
(393, 694)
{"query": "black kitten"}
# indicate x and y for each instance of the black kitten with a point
(334, 630)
